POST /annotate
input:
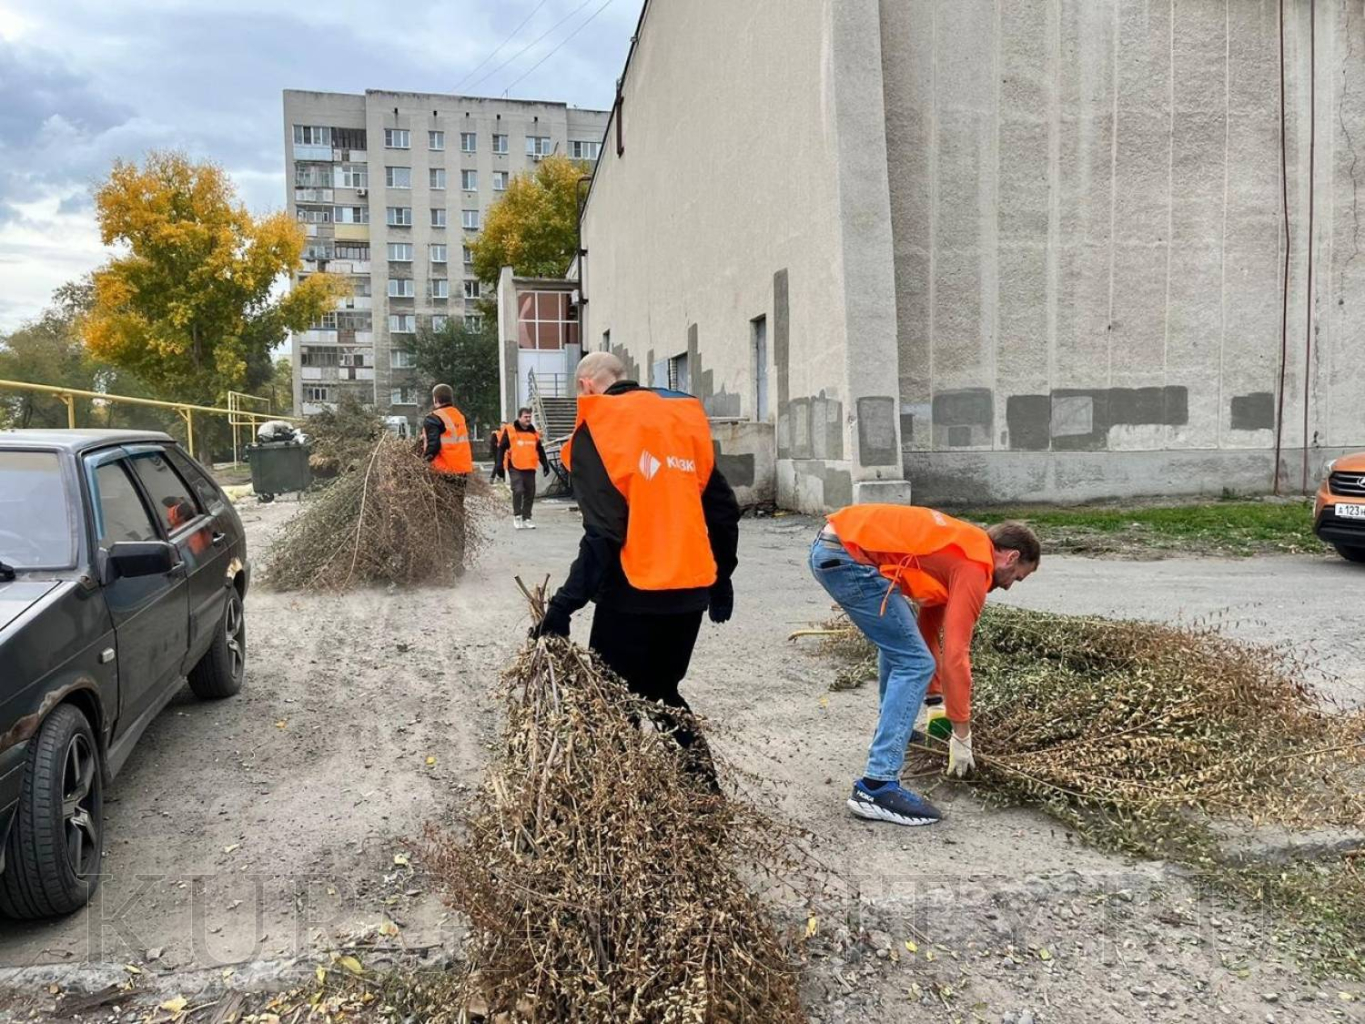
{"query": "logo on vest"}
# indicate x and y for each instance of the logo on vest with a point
(649, 465)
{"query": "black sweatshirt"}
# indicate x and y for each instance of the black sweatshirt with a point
(596, 574)
(506, 446)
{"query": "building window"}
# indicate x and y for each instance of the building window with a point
(352, 252)
(438, 322)
(469, 142)
(473, 323)
(546, 320)
(355, 357)
(397, 138)
(313, 356)
(354, 321)
(468, 256)
(317, 251)
(360, 286)
(312, 175)
(679, 373)
(585, 150)
(399, 217)
(352, 215)
(312, 135)
(500, 144)
(402, 323)
(400, 252)
(471, 288)
(436, 140)
(438, 217)
(438, 254)
(470, 219)
(538, 145)
(327, 322)
(354, 176)
(398, 177)
(403, 396)
(400, 359)
(440, 288)
(438, 177)
(402, 288)
(469, 181)
(314, 214)
(500, 181)
(316, 393)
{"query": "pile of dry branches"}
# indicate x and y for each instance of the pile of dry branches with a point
(602, 881)
(389, 519)
(1139, 734)
(341, 437)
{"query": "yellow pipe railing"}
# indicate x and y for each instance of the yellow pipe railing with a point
(186, 410)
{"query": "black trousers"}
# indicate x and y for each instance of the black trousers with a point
(523, 491)
(652, 654)
(458, 484)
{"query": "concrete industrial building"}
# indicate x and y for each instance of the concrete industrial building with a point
(992, 250)
(391, 187)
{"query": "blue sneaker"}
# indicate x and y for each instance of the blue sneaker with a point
(892, 803)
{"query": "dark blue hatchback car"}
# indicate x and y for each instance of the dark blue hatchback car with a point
(123, 569)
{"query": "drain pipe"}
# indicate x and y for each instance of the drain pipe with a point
(1308, 287)
(1284, 289)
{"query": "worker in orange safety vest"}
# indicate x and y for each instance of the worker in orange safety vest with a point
(521, 451)
(875, 560)
(446, 448)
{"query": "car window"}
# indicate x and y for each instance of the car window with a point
(170, 497)
(36, 524)
(122, 515)
(204, 488)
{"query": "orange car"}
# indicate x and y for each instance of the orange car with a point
(1339, 512)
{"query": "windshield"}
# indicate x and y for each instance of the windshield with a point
(35, 522)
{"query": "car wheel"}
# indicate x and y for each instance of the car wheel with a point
(52, 856)
(265, 499)
(219, 672)
(1350, 554)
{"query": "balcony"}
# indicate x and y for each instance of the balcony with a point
(356, 302)
(364, 338)
(320, 153)
(352, 232)
(316, 337)
(312, 195)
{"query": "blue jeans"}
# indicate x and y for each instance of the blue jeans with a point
(905, 666)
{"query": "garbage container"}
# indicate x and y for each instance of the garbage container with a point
(277, 467)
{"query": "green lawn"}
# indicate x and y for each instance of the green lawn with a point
(1214, 527)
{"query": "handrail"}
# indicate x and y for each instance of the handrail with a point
(186, 410)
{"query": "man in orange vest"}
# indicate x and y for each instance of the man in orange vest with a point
(521, 451)
(446, 447)
(874, 560)
(660, 535)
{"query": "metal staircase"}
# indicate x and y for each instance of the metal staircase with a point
(555, 411)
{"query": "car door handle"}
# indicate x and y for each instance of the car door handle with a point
(219, 539)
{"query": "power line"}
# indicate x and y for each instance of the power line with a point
(528, 46)
(473, 71)
(561, 44)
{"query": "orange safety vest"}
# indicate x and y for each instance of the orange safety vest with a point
(455, 455)
(521, 448)
(893, 537)
(657, 452)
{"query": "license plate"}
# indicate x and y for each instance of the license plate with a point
(1350, 511)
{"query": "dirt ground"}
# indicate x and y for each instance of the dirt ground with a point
(270, 825)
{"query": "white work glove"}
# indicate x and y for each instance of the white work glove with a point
(960, 761)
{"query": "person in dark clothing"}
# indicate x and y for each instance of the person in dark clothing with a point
(494, 447)
(445, 446)
(655, 561)
(521, 451)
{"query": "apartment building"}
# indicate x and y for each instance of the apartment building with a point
(391, 188)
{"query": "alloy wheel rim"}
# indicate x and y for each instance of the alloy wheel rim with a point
(81, 806)
(236, 642)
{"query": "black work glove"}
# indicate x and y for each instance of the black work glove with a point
(555, 623)
(722, 601)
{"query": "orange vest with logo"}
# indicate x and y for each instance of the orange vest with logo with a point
(455, 455)
(521, 448)
(657, 452)
(893, 537)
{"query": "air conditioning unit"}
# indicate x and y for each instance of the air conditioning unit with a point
(362, 192)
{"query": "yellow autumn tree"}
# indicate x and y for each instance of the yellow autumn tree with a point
(190, 303)
(533, 228)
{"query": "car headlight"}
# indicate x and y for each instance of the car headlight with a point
(1327, 469)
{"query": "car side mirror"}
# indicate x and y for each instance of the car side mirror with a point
(140, 558)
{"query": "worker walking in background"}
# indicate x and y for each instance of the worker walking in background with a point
(446, 448)
(522, 451)
(874, 560)
(660, 536)
(494, 450)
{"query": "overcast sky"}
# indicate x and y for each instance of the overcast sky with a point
(84, 82)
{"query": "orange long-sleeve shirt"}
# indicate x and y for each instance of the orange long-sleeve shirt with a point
(955, 622)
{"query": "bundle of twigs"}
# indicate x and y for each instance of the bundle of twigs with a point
(390, 519)
(603, 881)
(1140, 734)
(341, 437)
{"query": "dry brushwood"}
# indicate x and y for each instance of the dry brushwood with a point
(340, 438)
(390, 519)
(602, 881)
(1140, 734)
